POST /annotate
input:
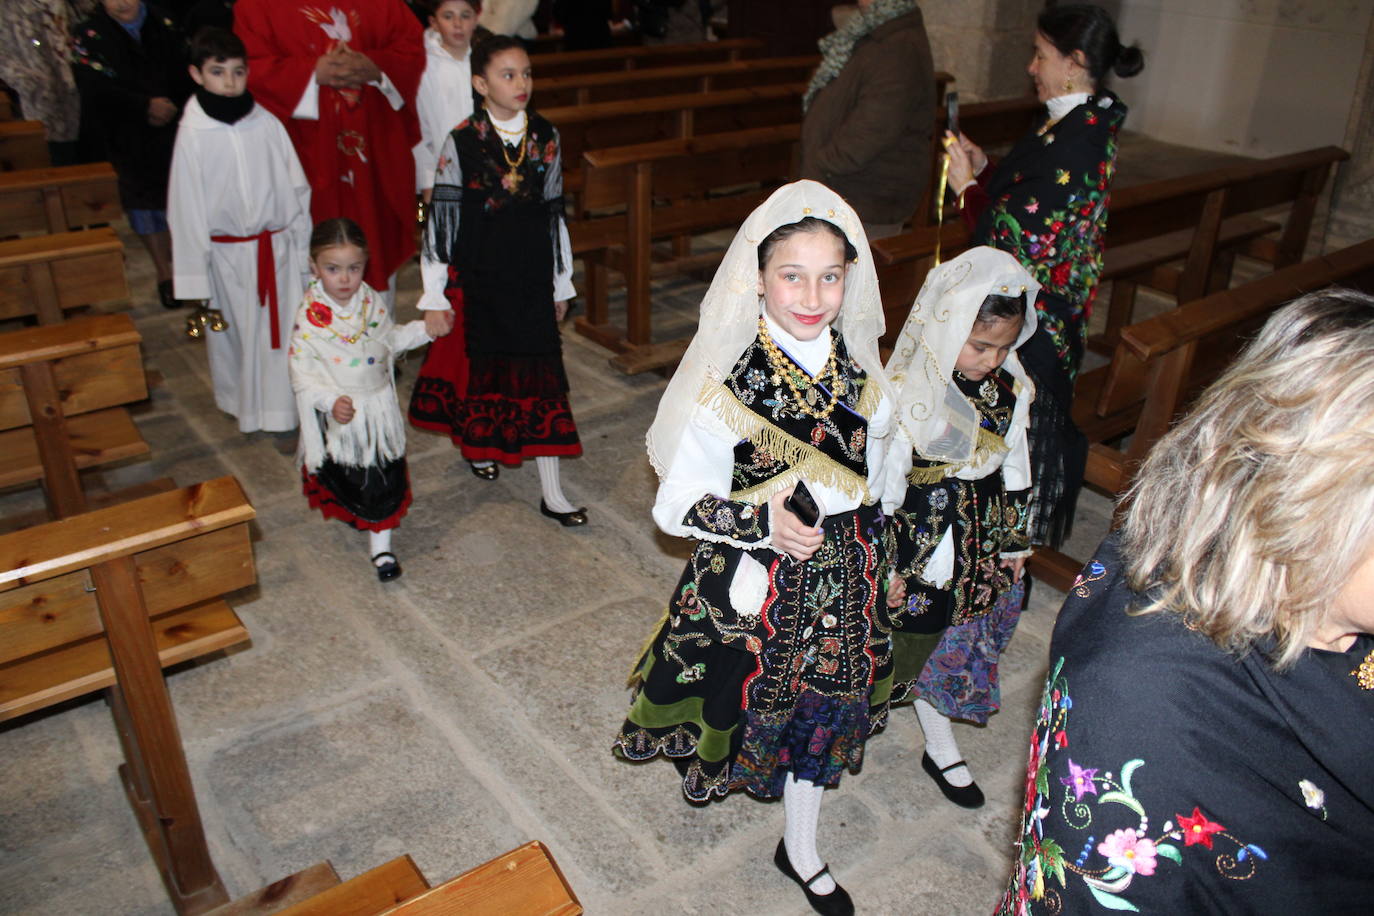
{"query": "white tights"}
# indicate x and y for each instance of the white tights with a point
(801, 802)
(940, 744)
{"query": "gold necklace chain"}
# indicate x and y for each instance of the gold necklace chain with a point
(361, 315)
(787, 372)
(512, 165)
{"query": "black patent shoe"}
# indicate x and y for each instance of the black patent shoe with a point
(389, 570)
(573, 519)
(969, 796)
(165, 296)
(486, 472)
(835, 903)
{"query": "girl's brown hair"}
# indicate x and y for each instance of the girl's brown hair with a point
(332, 233)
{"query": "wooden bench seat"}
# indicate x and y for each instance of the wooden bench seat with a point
(1161, 363)
(23, 145)
(96, 592)
(58, 199)
(62, 391)
(48, 274)
(580, 88)
(524, 882)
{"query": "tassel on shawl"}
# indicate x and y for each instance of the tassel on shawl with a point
(803, 459)
(989, 445)
(441, 226)
(376, 433)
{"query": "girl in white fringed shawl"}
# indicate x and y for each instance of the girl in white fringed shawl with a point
(353, 441)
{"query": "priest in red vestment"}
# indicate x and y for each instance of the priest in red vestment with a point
(342, 75)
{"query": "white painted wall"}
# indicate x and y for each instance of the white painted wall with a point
(1257, 77)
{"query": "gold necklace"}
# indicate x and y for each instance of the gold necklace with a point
(513, 177)
(788, 372)
(362, 316)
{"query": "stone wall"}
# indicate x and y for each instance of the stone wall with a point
(1352, 206)
(986, 44)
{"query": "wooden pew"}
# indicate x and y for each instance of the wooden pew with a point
(581, 88)
(109, 597)
(1202, 220)
(523, 882)
(23, 145)
(48, 274)
(62, 391)
(1160, 364)
(640, 57)
(601, 125)
(58, 199)
(682, 173)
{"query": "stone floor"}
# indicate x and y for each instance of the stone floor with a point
(469, 706)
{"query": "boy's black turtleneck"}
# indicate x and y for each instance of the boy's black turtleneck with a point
(226, 108)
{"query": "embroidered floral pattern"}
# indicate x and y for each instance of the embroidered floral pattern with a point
(1090, 799)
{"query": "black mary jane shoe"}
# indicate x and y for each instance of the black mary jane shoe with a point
(389, 570)
(573, 519)
(969, 796)
(486, 471)
(835, 903)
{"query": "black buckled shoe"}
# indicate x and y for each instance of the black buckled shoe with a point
(165, 296)
(835, 903)
(486, 471)
(969, 796)
(389, 570)
(573, 519)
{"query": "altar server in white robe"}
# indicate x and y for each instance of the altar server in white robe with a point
(239, 210)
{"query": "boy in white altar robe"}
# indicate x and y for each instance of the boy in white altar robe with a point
(239, 209)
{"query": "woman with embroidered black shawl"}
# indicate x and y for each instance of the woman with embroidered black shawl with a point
(497, 266)
(773, 664)
(1046, 203)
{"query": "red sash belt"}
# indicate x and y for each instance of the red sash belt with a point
(267, 274)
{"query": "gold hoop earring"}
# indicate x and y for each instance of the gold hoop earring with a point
(1068, 85)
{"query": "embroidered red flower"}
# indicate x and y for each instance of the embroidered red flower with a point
(1091, 117)
(817, 434)
(1198, 829)
(550, 149)
(319, 314)
(1060, 275)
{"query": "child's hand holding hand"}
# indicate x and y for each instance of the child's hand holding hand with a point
(343, 409)
(789, 534)
(161, 110)
(438, 323)
(1017, 567)
(896, 591)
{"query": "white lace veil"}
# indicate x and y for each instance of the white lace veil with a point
(941, 422)
(730, 311)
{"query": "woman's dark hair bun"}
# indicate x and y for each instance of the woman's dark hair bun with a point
(1129, 61)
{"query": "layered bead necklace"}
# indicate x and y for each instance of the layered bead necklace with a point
(806, 391)
(362, 315)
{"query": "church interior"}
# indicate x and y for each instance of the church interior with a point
(469, 707)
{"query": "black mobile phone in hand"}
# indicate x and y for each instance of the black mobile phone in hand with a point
(952, 112)
(803, 505)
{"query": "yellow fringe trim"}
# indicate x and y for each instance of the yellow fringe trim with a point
(989, 444)
(633, 679)
(802, 459)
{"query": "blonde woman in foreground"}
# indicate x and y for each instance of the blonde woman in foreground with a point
(1206, 735)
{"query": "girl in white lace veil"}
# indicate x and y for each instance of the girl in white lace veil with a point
(730, 311)
(782, 383)
(962, 459)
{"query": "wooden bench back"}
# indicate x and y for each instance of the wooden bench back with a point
(524, 882)
(640, 57)
(23, 145)
(1194, 342)
(581, 88)
(96, 363)
(189, 547)
(46, 274)
(600, 125)
(694, 165)
(58, 199)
